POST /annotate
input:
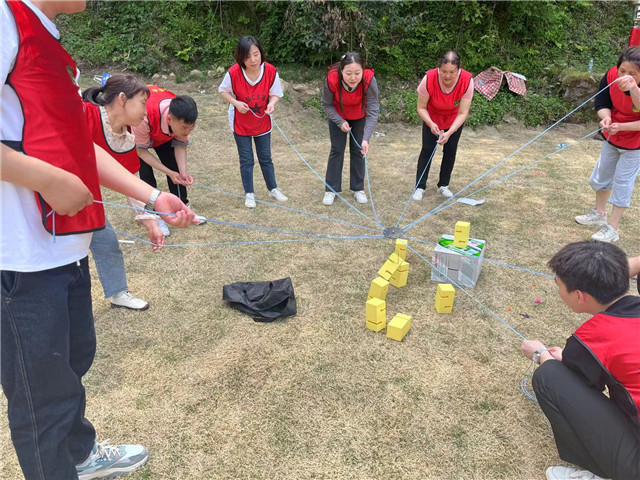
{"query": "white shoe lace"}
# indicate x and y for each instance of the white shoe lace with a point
(106, 451)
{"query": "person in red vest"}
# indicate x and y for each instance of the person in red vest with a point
(350, 100)
(110, 111)
(444, 98)
(252, 87)
(599, 433)
(51, 173)
(166, 128)
(616, 170)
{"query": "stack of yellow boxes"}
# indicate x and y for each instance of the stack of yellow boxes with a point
(461, 234)
(377, 305)
(395, 271)
(444, 298)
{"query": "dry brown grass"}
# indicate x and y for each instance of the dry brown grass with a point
(214, 395)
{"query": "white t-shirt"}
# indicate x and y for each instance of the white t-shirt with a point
(25, 245)
(226, 86)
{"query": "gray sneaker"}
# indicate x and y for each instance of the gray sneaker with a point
(606, 234)
(110, 461)
(592, 217)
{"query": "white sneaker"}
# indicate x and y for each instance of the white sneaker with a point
(606, 234)
(126, 300)
(250, 200)
(328, 199)
(444, 191)
(162, 225)
(417, 195)
(109, 461)
(360, 196)
(592, 217)
(568, 473)
(278, 195)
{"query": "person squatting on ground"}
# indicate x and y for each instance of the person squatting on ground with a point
(50, 164)
(252, 87)
(615, 173)
(110, 111)
(350, 100)
(166, 128)
(598, 433)
(444, 98)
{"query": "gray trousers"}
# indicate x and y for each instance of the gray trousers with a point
(590, 430)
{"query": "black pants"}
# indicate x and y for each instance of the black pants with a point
(448, 158)
(168, 158)
(590, 430)
(336, 156)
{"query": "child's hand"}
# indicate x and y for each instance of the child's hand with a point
(269, 110)
(345, 127)
(242, 107)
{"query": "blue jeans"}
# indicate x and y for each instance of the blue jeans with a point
(109, 261)
(263, 150)
(48, 344)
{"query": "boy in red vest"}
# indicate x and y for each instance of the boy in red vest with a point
(166, 128)
(599, 433)
(50, 174)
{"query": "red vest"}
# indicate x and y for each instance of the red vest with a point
(623, 111)
(54, 131)
(351, 108)
(156, 95)
(256, 96)
(128, 159)
(614, 341)
(443, 107)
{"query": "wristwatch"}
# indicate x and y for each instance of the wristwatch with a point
(152, 199)
(536, 355)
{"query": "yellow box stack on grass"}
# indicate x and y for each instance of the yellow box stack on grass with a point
(376, 311)
(444, 298)
(461, 234)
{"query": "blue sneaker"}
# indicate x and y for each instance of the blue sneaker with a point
(110, 461)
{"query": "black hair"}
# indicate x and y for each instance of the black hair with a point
(600, 269)
(450, 56)
(631, 55)
(184, 108)
(347, 59)
(128, 84)
(243, 48)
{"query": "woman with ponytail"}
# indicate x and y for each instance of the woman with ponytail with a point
(350, 100)
(110, 111)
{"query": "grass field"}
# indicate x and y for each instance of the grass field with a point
(214, 395)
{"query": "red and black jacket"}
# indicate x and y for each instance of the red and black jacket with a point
(156, 95)
(443, 107)
(605, 351)
(256, 96)
(128, 159)
(622, 111)
(351, 108)
(54, 130)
